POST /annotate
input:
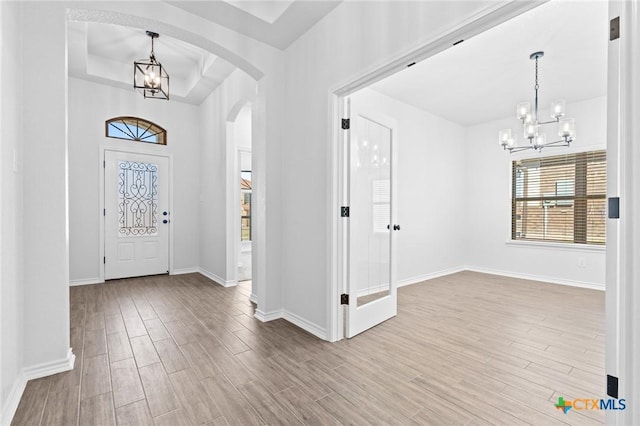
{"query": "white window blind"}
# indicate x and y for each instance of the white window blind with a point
(560, 198)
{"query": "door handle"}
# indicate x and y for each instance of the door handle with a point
(164, 213)
(396, 227)
(165, 221)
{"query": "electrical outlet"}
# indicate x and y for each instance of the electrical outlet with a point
(582, 262)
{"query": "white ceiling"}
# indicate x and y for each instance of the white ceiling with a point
(483, 78)
(274, 22)
(104, 53)
(268, 11)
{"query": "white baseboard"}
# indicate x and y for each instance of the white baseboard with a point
(217, 279)
(550, 280)
(182, 271)
(85, 282)
(430, 276)
(29, 373)
(293, 319)
(268, 316)
(309, 326)
(253, 298)
(52, 367)
(11, 405)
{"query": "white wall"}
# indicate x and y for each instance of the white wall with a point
(11, 235)
(489, 205)
(218, 177)
(430, 208)
(242, 128)
(90, 105)
(46, 237)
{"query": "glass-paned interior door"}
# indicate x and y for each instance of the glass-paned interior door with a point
(372, 294)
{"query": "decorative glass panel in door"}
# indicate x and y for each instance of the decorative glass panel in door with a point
(372, 296)
(138, 198)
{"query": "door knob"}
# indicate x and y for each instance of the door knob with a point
(164, 213)
(165, 221)
(396, 227)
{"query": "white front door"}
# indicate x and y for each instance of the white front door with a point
(136, 216)
(372, 220)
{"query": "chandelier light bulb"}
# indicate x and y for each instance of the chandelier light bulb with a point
(567, 128)
(503, 137)
(540, 141)
(530, 131)
(528, 119)
(523, 109)
(557, 109)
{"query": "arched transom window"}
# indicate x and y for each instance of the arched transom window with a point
(135, 129)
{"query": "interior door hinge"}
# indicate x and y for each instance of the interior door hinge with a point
(104, 260)
(613, 207)
(344, 299)
(104, 164)
(614, 28)
(612, 386)
(104, 212)
(346, 123)
(344, 211)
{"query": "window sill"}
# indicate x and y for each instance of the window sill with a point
(557, 246)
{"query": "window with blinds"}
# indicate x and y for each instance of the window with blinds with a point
(560, 198)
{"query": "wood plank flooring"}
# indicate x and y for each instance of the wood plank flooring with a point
(467, 348)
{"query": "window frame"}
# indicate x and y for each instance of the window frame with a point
(140, 123)
(552, 243)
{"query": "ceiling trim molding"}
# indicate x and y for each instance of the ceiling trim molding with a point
(117, 18)
(489, 17)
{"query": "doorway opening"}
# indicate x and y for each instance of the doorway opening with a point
(244, 253)
(243, 229)
(450, 108)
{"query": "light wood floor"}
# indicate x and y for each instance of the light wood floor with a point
(464, 349)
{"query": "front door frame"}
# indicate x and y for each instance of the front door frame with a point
(133, 148)
(495, 14)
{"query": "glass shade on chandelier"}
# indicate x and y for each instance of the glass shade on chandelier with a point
(531, 125)
(150, 78)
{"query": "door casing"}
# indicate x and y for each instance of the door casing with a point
(495, 14)
(133, 149)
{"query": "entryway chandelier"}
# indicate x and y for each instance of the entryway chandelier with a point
(149, 77)
(538, 140)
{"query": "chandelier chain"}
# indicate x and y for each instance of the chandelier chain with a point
(153, 55)
(536, 87)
